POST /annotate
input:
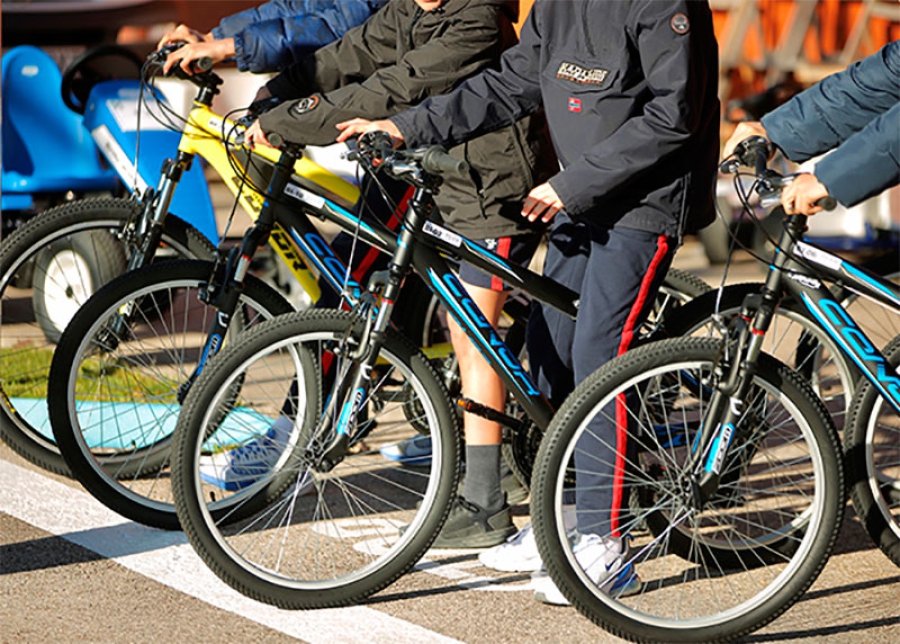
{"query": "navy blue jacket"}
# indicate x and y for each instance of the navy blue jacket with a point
(630, 92)
(856, 111)
(278, 33)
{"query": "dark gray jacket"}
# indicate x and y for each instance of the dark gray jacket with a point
(630, 93)
(856, 111)
(400, 57)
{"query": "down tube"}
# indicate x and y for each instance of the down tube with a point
(457, 301)
(844, 330)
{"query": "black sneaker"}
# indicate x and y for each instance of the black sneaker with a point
(470, 526)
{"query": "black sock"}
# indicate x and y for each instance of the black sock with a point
(482, 478)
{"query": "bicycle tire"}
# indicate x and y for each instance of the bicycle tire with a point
(680, 600)
(114, 392)
(341, 545)
(872, 448)
(24, 421)
(794, 337)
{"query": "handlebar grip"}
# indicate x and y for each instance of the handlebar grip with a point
(275, 139)
(827, 203)
(203, 64)
(437, 161)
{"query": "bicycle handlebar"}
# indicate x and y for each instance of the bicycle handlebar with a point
(202, 76)
(755, 153)
(377, 149)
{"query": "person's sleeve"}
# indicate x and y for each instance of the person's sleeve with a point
(434, 68)
(351, 60)
(276, 43)
(666, 123)
(272, 10)
(484, 103)
(866, 163)
(842, 104)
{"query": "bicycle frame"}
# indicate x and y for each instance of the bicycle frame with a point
(423, 245)
(804, 283)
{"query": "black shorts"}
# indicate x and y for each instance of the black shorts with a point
(518, 248)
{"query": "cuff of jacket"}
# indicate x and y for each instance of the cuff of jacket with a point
(566, 185)
(241, 57)
(405, 122)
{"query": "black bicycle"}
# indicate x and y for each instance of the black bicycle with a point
(735, 473)
(125, 362)
(351, 521)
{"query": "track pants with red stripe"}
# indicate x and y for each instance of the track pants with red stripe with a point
(617, 273)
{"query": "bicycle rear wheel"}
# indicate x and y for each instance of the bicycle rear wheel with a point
(48, 268)
(710, 572)
(872, 446)
(347, 526)
(115, 378)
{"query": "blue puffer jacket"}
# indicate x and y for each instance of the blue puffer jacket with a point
(856, 111)
(278, 33)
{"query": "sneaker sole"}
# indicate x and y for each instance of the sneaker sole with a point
(483, 540)
(632, 587)
(530, 566)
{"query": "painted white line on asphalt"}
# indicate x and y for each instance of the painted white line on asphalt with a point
(167, 558)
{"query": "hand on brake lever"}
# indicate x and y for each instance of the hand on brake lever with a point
(254, 134)
(357, 127)
(800, 196)
(183, 33)
(742, 132)
(185, 57)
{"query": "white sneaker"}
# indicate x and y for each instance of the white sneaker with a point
(245, 465)
(604, 562)
(520, 553)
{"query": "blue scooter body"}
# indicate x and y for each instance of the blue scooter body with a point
(113, 118)
(50, 150)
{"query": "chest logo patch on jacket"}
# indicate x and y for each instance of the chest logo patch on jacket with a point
(307, 104)
(582, 76)
(574, 104)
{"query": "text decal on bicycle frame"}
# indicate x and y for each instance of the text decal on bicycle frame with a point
(850, 336)
(327, 263)
(467, 313)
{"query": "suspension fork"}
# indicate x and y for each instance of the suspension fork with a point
(155, 206)
(733, 374)
(377, 314)
(224, 288)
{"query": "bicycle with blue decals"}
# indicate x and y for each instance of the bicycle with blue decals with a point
(352, 521)
(733, 464)
(115, 428)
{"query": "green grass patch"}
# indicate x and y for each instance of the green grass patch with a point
(24, 372)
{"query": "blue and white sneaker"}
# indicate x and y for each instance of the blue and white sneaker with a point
(604, 561)
(243, 466)
(412, 451)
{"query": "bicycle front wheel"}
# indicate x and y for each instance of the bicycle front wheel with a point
(116, 374)
(352, 520)
(710, 571)
(872, 445)
(48, 268)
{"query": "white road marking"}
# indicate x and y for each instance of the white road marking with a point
(167, 558)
